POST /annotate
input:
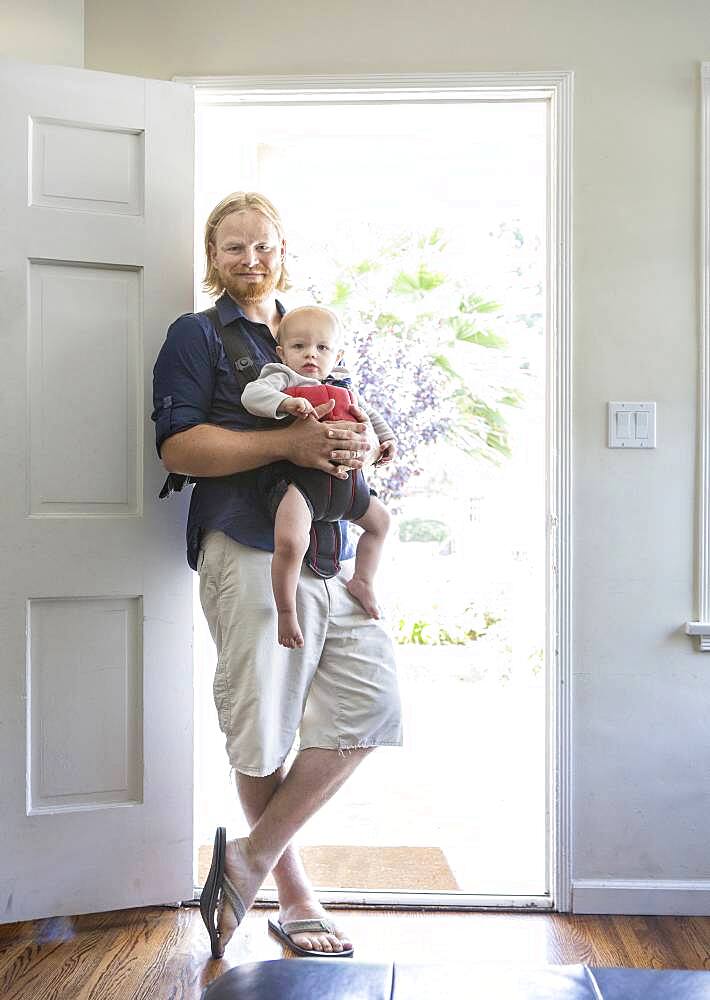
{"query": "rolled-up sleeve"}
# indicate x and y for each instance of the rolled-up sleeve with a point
(183, 379)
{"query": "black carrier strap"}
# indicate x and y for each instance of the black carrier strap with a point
(237, 350)
(323, 555)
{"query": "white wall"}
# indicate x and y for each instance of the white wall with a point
(43, 31)
(641, 690)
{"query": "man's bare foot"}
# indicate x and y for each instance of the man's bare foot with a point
(364, 593)
(289, 630)
(314, 940)
(246, 876)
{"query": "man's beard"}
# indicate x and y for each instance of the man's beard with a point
(251, 291)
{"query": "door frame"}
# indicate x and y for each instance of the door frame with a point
(556, 89)
(700, 628)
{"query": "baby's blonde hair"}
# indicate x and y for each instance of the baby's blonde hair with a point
(323, 310)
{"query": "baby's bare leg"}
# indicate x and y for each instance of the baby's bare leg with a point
(292, 528)
(375, 524)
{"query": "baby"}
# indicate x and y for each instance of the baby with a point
(310, 346)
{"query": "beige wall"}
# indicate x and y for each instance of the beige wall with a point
(43, 31)
(642, 692)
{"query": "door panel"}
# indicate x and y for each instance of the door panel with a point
(95, 596)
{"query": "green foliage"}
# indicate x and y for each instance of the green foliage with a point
(444, 629)
(390, 324)
(434, 239)
(536, 659)
(417, 285)
(482, 430)
(420, 529)
(449, 327)
(342, 293)
(406, 292)
(512, 397)
(476, 304)
(465, 331)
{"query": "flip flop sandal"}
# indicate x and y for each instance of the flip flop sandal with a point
(284, 931)
(217, 889)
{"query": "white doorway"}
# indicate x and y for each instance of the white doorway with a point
(427, 224)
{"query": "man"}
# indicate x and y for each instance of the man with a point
(340, 690)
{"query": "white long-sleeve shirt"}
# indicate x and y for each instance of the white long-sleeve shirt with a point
(264, 395)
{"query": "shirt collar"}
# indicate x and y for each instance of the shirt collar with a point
(228, 310)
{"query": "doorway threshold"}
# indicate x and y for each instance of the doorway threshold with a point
(444, 902)
(431, 901)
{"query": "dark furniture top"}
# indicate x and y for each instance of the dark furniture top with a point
(342, 979)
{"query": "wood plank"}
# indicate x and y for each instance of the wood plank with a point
(689, 937)
(590, 939)
(163, 954)
(647, 943)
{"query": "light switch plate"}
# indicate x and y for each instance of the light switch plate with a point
(632, 425)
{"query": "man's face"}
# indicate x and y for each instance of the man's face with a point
(247, 254)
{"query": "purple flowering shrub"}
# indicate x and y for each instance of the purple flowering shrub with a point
(397, 378)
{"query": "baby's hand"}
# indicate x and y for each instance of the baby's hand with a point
(388, 450)
(297, 405)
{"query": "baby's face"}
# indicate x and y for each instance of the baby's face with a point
(310, 344)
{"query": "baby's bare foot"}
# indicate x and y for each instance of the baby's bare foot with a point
(364, 593)
(289, 630)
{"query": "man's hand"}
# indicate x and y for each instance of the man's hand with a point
(373, 449)
(335, 446)
(298, 406)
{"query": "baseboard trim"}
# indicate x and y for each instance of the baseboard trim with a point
(654, 897)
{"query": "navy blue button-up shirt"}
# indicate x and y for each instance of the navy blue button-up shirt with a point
(193, 384)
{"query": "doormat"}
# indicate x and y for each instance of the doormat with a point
(400, 869)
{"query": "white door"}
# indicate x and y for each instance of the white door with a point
(96, 193)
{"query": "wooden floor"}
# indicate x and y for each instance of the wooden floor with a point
(163, 954)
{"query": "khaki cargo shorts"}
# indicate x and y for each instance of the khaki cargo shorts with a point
(340, 690)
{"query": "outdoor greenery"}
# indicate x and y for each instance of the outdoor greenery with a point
(444, 628)
(420, 342)
(444, 363)
(420, 529)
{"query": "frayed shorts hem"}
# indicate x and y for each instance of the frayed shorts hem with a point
(342, 746)
(257, 772)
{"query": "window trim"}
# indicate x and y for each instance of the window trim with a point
(700, 627)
